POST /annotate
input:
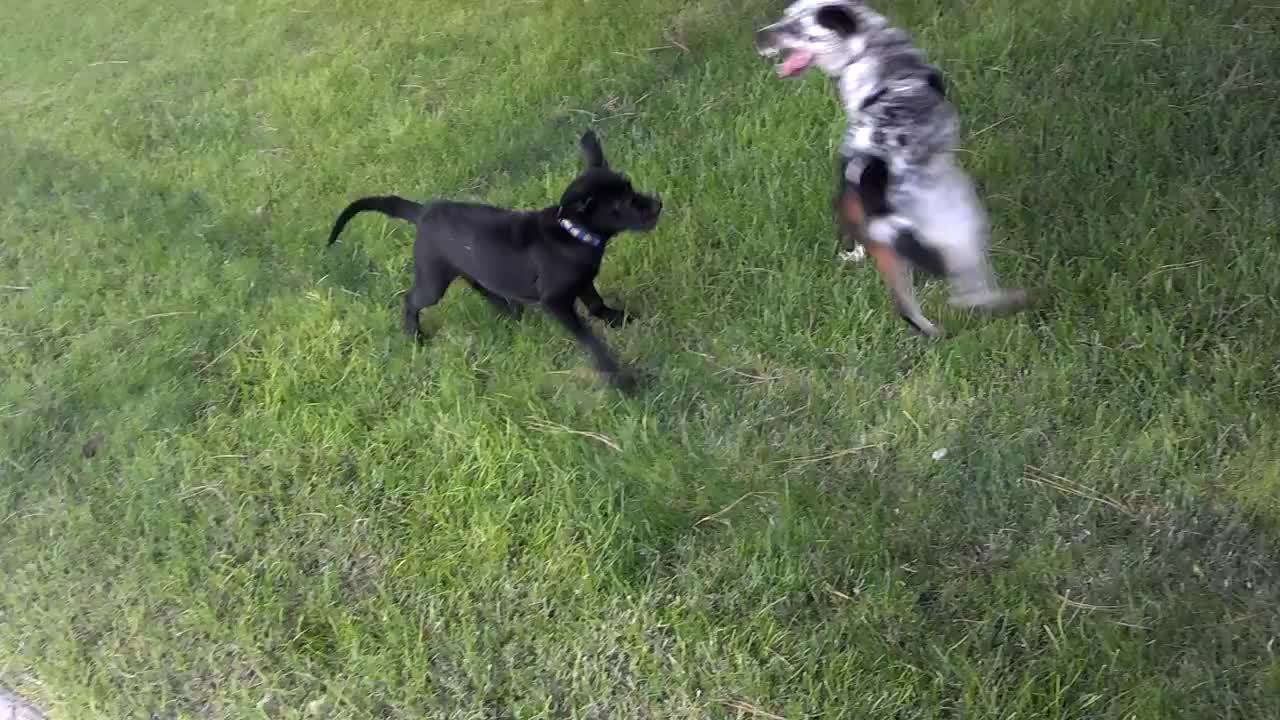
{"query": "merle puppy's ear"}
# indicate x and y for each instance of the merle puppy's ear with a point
(592, 153)
(838, 18)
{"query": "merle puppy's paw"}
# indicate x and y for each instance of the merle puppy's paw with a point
(996, 302)
(856, 255)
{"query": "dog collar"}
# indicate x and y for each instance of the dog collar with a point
(581, 233)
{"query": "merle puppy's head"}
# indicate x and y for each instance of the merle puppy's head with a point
(827, 34)
(603, 200)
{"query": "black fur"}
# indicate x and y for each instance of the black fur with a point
(873, 189)
(837, 18)
(516, 258)
(873, 186)
(393, 205)
(846, 232)
(923, 256)
(902, 194)
(872, 193)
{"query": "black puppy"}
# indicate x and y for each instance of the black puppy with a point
(515, 258)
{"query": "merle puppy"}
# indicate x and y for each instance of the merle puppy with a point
(513, 258)
(901, 196)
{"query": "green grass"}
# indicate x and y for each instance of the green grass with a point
(291, 512)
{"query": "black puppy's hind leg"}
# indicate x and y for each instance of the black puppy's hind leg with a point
(430, 280)
(500, 304)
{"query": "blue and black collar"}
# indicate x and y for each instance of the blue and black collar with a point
(580, 233)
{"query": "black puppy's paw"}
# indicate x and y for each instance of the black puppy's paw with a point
(511, 311)
(622, 380)
(615, 317)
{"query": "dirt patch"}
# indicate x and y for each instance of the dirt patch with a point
(13, 707)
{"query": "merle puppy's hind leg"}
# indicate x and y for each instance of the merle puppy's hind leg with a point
(896, 272)
(887, 236)
(954, 222)
(431, 277)
(974, 286)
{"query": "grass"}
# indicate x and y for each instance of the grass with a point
(228, 489)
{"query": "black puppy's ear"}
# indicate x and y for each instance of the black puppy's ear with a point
(576, 202)
(592, 153)
(838, 18)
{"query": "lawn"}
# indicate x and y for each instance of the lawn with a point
(230, 489)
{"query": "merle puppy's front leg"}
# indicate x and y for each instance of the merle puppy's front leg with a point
(850, 223)
(595, 305)
(562, 310)
(850, 217)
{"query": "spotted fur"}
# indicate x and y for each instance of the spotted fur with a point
(915, 206)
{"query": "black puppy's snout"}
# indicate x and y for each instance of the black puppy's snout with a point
(762, 38)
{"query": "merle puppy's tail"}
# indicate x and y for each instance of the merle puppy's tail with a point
(393, 205)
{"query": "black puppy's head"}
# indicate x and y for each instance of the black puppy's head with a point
(603, 200)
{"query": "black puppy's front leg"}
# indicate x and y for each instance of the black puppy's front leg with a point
(595, 305)
(562, 310)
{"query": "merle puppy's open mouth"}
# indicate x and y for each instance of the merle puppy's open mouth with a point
(794, 62)
(772, 43)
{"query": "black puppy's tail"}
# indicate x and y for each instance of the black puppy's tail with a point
(393, 205)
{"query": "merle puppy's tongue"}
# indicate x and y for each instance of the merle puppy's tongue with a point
(795, 63)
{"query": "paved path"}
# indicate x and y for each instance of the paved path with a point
(13, 708)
